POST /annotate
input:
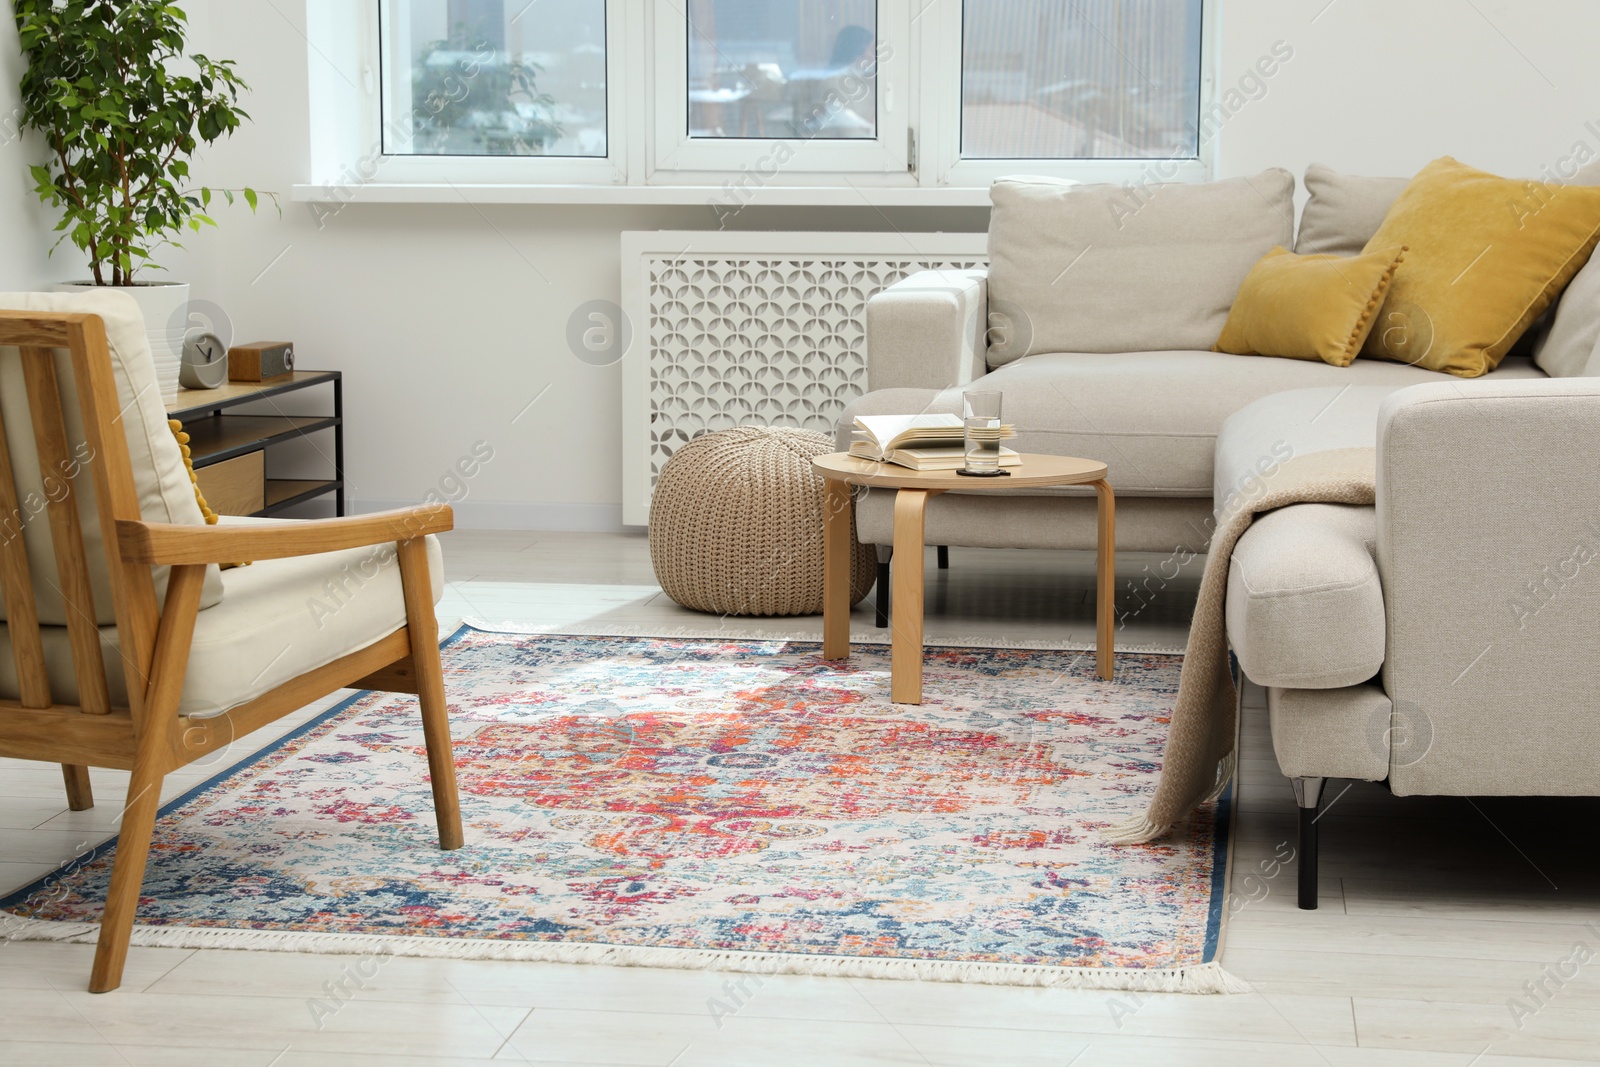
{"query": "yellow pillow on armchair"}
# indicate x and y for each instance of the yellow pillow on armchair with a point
(1308, 307)
(1488, 255)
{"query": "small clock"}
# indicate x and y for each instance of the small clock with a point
(205, 361)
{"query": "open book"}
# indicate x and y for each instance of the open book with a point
(921, 442)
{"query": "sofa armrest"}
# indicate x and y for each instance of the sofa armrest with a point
(927, 331)
(1488, 508)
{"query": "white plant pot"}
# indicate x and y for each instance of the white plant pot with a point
(165, 308)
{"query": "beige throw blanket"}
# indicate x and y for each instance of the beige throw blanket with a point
(1199, 759)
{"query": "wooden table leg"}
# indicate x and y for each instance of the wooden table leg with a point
(905, 620)
(1105, 595)
(836, 556)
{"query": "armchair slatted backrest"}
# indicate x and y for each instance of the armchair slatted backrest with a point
(48, 344)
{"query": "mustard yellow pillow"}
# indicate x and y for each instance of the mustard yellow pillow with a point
(1488, 255)
(199, 498)
(1308, 307)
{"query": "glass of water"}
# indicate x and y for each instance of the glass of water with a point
(980, 414)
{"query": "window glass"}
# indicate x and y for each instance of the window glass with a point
(494, 77)
(783, 68)
(1085, 79)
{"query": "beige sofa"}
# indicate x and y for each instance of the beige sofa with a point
(1395, 641)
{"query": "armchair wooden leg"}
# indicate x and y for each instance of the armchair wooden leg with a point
(127, 873)
(424, 630)
(151, 761)
(80, 794)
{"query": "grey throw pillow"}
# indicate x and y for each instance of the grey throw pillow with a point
(1343, 211)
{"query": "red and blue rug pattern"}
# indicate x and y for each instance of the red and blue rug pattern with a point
(740, 804)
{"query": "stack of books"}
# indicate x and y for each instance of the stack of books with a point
(921, 442)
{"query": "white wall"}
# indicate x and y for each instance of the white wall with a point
(1383, 86)
(24, 236)
(448, 319)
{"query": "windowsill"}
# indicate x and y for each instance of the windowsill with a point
(698, 195)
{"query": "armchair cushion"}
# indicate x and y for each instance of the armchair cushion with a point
(279, 619)
(165, 491)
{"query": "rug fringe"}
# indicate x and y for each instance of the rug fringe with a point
(699, 634)
(1198, 978)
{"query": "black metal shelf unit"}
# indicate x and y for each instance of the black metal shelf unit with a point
(217, 435)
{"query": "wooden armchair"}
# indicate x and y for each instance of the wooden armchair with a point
(87, 398)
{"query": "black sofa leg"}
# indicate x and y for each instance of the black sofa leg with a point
(885, 553)
(1308, 796)
(944, 557)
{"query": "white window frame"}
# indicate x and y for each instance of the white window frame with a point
(358, 147)
(915, 159)
(800, 159)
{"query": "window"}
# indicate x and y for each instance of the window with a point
(483, 78)
(1094, 79)
(766, 68)
(825, 78)
(841, 101)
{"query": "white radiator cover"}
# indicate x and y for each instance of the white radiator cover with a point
(751, 328)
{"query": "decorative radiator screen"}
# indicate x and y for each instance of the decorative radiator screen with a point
(732, 329)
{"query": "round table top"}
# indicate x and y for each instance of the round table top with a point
(1033, 472)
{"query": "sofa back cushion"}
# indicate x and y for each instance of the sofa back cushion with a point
(1343, 211)
(165, 492)
(1113, 268)
(1571, 349)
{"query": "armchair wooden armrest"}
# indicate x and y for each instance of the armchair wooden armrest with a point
(168, 543)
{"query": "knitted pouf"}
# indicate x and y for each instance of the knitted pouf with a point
(736, 524)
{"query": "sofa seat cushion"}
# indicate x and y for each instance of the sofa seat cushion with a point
(1266, 432)
(1151, 417)
(277, 619)
(1305, 606)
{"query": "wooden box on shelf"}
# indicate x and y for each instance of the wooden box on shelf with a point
(235, 486)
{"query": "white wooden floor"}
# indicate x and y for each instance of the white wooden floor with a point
(1436, 912)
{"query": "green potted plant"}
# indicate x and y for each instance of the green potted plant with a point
(122, 109)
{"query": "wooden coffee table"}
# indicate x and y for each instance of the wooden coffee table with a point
(843, 470)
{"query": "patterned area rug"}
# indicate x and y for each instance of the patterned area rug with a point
(694, 803)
